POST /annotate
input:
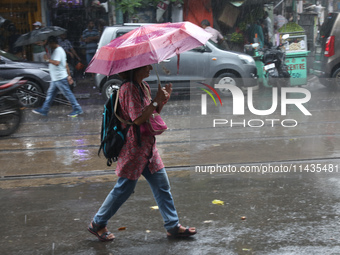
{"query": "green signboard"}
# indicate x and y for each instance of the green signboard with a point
(297, 67)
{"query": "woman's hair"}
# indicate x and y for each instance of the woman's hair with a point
(128, 75)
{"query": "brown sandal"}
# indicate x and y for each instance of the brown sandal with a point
(94, 228)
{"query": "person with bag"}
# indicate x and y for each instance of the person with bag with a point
(70, 51)
(61, 80)
(139, 156)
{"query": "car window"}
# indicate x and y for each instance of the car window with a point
(219, 46)
(105, 38)
(8, 55)
(109, 36)
(327, 26)
(120, 33)
(198, 49)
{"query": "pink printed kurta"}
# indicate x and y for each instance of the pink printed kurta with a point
(133, 159)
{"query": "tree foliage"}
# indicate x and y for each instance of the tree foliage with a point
(130, 6)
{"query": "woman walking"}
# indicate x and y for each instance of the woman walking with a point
(139, 156)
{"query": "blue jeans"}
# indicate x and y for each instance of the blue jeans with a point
(124, 187)
(52, 92)
(89, 57)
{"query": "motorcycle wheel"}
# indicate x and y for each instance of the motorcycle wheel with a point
(10, 122)
(274, 82)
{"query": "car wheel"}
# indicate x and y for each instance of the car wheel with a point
(30, 95)
(109, 86)
(228, 79)
(336, 79)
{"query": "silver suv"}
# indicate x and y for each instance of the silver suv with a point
(210, 64)
(327, 52)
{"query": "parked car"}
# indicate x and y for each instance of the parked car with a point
(210, 64)
(327, 52)
(36, 74)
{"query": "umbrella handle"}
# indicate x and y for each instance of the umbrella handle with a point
(159, 82)
(177, 53)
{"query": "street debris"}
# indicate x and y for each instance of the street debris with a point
(218, 202)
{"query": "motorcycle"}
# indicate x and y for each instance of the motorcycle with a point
(10, 106)
(275, 69)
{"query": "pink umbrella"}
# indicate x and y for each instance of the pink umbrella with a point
(146, 45)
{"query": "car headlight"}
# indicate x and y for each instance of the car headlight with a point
(45, 70)
(247, 60)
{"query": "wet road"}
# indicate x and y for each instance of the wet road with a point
(252, 138)
(58, 145)
(53, 182)
(284, 214)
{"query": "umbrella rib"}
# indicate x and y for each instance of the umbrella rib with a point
(152, 47)
(155, 51)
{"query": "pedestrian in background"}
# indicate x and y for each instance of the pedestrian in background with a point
(61, 78)
(279, 21)
(101, 26)
(268, 30)
(2, 39)
(38, 48)
(13, 36)
(255, 33)
(91, 37)
(216, 35)
(68, 48)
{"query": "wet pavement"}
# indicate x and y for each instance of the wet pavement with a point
(52, 182)
(294, 213)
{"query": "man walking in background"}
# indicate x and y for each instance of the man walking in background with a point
(61, 78)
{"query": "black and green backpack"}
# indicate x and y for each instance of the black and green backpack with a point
(113, 136)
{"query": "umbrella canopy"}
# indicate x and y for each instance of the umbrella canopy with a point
(39, 35)
(3, 21)
(147, 45)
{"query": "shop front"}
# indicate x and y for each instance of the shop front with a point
(21, 13)
(74, 16)
(18, 17)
